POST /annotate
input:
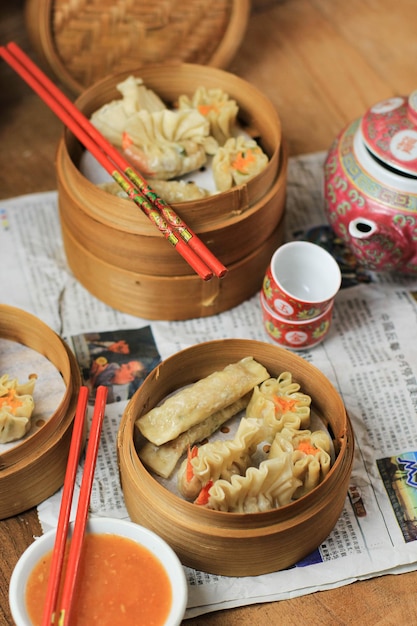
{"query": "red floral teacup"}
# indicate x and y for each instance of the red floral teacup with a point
(296, 335)
(301, 281)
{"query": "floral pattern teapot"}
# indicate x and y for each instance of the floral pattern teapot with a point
(370, 178)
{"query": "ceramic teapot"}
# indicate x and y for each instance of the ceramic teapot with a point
(370, 186)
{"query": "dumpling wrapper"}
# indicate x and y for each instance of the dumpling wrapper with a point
(195, 403)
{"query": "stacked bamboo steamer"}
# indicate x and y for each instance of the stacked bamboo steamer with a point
(236, 544)
(120, 257)
(34, 468)
(174, 47)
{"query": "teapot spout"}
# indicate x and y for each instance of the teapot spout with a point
(362, 228)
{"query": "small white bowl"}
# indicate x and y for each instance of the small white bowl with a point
(102, 525)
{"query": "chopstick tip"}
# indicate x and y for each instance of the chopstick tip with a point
(222, 272)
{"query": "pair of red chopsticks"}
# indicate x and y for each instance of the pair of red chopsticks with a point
(163, 216)
(61, 615)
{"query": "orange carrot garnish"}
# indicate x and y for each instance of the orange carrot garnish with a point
(189, 473)
(203, 496)
(307, 447)
(126, 141)
(11, 401)
(205, 109)
(242, 160)
(285, 405)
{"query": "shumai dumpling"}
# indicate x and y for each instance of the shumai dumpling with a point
(310, 456)
(16, 408)
(111, 118)
(217, 107)
(235, 163)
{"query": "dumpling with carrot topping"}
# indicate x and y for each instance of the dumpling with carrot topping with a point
(310, 453)
(235, 163)
(280, 403)
(269, 486)
(16, 408)
(217, 107)
(219, 459)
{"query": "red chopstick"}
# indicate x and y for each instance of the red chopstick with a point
(65, 509)
(74, 556)
(50, 612)
(152, 213)
(194, 251)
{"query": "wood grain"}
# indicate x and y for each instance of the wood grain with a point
(321, 63)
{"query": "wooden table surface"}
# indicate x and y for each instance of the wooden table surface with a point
(322, 63)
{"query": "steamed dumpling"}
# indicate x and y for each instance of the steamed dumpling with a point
(166, 144)
(217, 107)
(236, 162)
(16, 408)
(112, 117)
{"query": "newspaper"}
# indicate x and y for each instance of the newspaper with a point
(369, 356)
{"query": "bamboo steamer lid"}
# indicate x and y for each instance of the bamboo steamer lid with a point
(233, 544)
(83, 40)
(34, 468)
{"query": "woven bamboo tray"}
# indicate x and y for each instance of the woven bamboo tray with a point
(83, 40)
(233, 544)
(34, 468)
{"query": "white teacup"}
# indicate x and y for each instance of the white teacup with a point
(301, 281)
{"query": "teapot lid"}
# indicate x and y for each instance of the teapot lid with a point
(389, 130)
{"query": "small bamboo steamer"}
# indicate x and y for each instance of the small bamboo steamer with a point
(34, 469)
(128, 259)
(231, 544)
(83, 40)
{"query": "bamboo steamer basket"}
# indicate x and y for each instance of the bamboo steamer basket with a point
(81, 41)
(34, 468)
(233, 544)
(170, 297)
(111, 235)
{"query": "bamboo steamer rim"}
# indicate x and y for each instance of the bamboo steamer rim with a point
(264, 517)
(141, 489)
(120, 215)
(120, 248)
(169, 82)
(34, 334)
(45, 17)
(34, 469)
